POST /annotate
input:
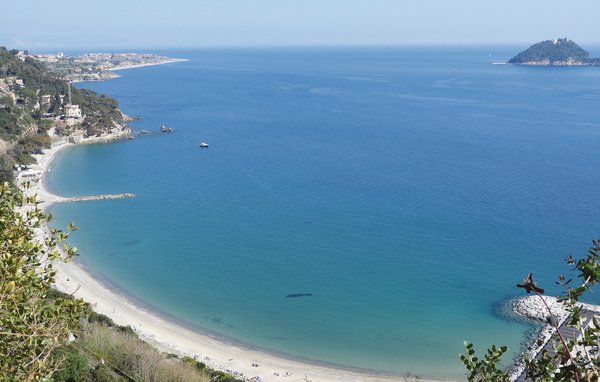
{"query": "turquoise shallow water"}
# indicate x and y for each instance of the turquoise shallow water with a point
(406, 189)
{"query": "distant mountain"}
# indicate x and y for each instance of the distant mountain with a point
(557, 52)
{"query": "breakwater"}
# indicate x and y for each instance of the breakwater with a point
(95, 197)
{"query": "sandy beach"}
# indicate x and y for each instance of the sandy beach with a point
(171, 337)
(170, 61)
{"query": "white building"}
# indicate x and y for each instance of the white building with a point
(29, 174)
(46, 99)
(72, 111)
(21, 55)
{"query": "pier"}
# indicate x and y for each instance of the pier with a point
(95, 197)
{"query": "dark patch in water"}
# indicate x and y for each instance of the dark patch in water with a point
(275, 338)
(131, 243)
(295, 295)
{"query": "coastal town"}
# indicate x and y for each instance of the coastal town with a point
(94, 66)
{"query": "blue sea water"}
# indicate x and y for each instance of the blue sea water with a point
(407, 189)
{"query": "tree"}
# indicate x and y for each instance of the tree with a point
(575, 359)
(7, 102)
(32, 326)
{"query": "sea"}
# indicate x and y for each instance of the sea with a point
(364, 207)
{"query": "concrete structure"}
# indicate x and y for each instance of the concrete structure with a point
(72, 115)
(72, 111)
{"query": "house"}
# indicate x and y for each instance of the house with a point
(21, 55)
(72, 111)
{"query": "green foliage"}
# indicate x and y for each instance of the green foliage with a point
(103, 373)
(125, 354)
(216, 376)
(7, 102)
(575, 359)
(552, 52)
(34, 144)
(6, 171)
(75, 367)
(101, 110)
(485, 369)
(32, 327)
(9, 125)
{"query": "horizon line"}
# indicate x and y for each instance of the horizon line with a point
(40, 48)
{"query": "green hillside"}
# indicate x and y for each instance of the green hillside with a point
(554, 52)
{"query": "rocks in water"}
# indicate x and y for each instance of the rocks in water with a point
(296, 295)
(533, 308)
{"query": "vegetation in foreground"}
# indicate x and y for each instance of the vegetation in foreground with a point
(49, 336)
(575, 359)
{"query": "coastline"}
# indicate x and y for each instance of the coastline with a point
(110, 73)
(172, 337)
(170, 61)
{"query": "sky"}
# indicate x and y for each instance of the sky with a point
(79, 24)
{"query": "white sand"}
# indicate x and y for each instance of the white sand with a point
(169, 61)
(171, 337)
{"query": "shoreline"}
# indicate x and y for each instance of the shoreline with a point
(169, 61)
(113, 74)
(172, 337)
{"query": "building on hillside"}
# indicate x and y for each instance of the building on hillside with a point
(46, 99)
(72, 111)
(21, 55)
(72, 114)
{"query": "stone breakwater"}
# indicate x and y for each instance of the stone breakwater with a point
(533, 308)
(94, 197)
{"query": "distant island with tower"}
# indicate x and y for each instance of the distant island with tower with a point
(556, 52)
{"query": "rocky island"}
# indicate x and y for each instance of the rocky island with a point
(557, 52)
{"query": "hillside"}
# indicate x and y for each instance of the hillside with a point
(557, 52)
(35, 101)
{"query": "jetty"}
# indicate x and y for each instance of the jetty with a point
(95, 197)
(568, 332)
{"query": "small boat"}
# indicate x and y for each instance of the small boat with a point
(166, 129)
(203, 145)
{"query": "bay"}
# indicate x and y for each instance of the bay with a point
(407, 189)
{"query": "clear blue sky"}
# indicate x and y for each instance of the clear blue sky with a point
(68, 24)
